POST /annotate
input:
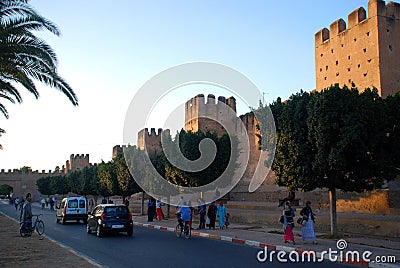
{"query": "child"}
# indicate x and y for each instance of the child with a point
(227, 220)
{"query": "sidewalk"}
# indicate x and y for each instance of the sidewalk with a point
(260, 237)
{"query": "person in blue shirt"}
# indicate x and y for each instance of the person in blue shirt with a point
(185, 212)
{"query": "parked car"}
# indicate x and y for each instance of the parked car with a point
(110, 218)
(72, 209)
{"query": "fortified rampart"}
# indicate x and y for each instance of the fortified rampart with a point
(214, 116)
(151, 141)
(24, 182)
(76, 162)
(364, 53)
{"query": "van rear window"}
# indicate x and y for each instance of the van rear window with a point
(81, 203)
(73, 203)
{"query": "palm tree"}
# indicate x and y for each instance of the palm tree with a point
(23, 56)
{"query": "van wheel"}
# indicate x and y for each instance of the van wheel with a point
(99, 232)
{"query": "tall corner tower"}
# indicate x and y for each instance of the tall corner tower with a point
(365, 52)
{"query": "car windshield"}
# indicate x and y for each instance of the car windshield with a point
(116, 210)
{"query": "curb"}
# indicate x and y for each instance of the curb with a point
(257, 244)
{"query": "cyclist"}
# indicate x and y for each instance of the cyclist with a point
(185, 212)
(27, 212)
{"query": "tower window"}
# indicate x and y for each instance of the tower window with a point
(332, 51)
(322, 54)
(337, 74)
(367, 33)
(355, 39)
(369, 60)
(348, 69)
(364, 50)
(342, 45)
(326, 67)
(358, 66)
(337, 62)
(348, 57)
(320, 69)
(390, 48)
(325, 78)
(365, 74)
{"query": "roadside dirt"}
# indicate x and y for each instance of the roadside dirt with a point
(16, 251)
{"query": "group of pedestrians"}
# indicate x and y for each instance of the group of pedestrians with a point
(306, 220)
(207, 217)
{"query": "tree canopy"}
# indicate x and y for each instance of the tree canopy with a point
(338, 138)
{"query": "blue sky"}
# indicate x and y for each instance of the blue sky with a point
(109, 49)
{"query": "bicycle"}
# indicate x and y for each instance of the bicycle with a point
(38, 226)
(181, 228)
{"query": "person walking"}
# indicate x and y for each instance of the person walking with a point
(221, 213)
(307, 231)
(151, 209)
(159, 210)
(212, 214)
(27, 212)
(43, 203)
(51, 203)
(202, 214)
(288, 222)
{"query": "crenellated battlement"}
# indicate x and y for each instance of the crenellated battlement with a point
(119, 149)
(364, 52)
(17, 172)
(390, 11)
(151, 141)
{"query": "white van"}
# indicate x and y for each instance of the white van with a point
(72, 209)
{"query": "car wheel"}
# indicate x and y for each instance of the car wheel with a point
(130, 232)
(88, 229)
(99, 232)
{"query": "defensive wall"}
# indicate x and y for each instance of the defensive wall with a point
(365, 52)
(25, 182)
(151, 141)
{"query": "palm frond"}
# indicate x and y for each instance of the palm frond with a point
(10, 89)
(14, 9)
(3, 110)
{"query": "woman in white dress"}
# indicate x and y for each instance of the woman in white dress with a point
(307, 230)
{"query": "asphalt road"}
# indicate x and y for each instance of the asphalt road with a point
(153, 248)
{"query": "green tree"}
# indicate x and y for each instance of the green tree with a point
(89, 181)
(126, 183)
(293, 156)
(23, 170)
(189, 147)
(106, 177)
(59, 185)
(336, 139)
(43, 185)
(24, 57)
(345, 131)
